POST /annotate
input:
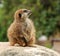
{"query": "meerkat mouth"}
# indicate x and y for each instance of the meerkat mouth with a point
(29, 13)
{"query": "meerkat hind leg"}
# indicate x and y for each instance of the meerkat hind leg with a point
(31, 43)
(12, 41)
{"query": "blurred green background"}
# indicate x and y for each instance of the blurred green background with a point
(45, 15)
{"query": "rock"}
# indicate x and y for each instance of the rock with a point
(6, 50)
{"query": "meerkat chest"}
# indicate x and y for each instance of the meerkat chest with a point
(25, 26)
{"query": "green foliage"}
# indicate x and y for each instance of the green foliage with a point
(45, 15)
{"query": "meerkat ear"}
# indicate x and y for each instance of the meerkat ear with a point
(20, 15)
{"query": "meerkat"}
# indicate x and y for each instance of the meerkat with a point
(22, 30)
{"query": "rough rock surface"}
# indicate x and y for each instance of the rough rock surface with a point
(6, 50)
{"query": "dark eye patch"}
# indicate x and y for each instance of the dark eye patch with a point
(25, 11)
(19, 15)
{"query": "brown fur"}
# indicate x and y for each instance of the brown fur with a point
(21, 27)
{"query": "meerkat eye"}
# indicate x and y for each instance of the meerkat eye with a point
(25, 11)
(19, 15)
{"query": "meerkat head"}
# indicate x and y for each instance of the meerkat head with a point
(22, 14)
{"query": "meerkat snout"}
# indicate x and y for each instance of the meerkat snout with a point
(26, 13)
